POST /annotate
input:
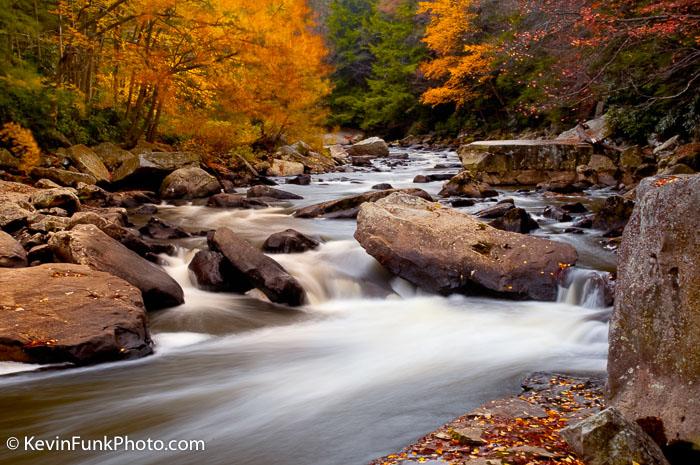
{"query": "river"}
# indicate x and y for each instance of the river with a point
(369, 365)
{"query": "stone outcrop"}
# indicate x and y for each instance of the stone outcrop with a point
(12, 254)
(373, 147)
(61, 313)
(654, 362)
(260, 270)
(524, 162)
(153, 167)
(443, 250)
(607, 438)
(347, 207)
(289, 241)
(189, 183)
(86, 244)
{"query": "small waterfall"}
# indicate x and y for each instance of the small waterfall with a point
(586, 288)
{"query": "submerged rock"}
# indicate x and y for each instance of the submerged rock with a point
(261, 271)
(213, 273)
(234, 201)
(347, 207)
(86, 244)
(70, 313)
(289, 241)
(271, 193)
(444, 250)
(515, 220)
(654, 362)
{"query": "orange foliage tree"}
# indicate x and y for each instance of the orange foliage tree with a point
(461, 65)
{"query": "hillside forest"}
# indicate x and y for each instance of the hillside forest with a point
(250, 75)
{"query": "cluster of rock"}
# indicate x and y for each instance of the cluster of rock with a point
(361, 153)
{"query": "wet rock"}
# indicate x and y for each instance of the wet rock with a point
(285, 168)
(443, 250)
(470, 436)
(213, 273)
(607, 438)
(261, 271)
(556, 213)
(373, 147)
(458, 203)
(515, 220)
(613, 215)
(189, 183)
(12, 254)
(422, 178)
(584, 222)
(382, 186)
(300, 180)
(63, 177)
(87, 161)
(563, 187)
(85, 244)
(289, 241)
(271, 193)
(653, 362)
(495, 211)
(347, 207)
(146, 210)
(576, 207)
(159, 229)
(465, 185)
(69, 313)
(234, 201)
(364, 160)
(132, 199)
(61, 197)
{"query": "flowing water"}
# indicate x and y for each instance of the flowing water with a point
(370, 364)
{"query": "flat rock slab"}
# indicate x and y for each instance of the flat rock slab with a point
(443, 250)
(70, 313)
(524, 162)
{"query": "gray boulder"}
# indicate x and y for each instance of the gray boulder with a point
(87, 161)
(373, 147)
(607, 438)
(63, 177)
(62, 197)
(653, 361)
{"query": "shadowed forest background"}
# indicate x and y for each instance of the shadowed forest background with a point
(250, 75)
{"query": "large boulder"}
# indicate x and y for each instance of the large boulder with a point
(15, 207)
(607, 438)
(347, 207)
(374, 147)
(87, 161)
(654, 362)
(524, 162)
(86, 244)
(289, 241)
(153, 167)
(466, 185)
(443, 250)
(285, 168)
(61, 313)
(63, 177)
(189, 183)
(261, 271)
(12, 254)
(118, 161)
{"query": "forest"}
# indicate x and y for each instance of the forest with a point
(226, 74)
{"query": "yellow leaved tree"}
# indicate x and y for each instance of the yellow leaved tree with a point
(461, 65)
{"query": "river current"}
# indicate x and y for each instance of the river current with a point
(369, 365)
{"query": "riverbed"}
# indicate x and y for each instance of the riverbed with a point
(370, 364)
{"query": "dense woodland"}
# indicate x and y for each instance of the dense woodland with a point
(253, 74)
